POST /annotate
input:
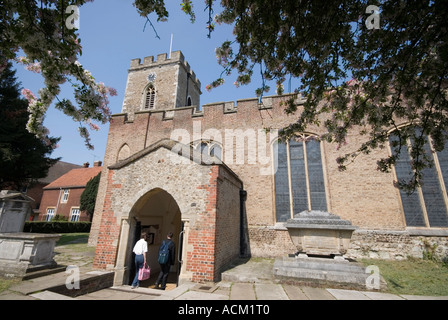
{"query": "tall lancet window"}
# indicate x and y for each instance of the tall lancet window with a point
(299, 177)
(150, 97)
(427, 206)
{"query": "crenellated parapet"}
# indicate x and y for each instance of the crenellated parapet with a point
(162, 59)
(217, 109)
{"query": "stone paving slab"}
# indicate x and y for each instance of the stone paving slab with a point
(173, 294)
(294, 292)
(48, 295)
(381, 296)
(267, 291)
(317, 293)
(10, 295)
(341, 294)
(242, 291)
(196, 295)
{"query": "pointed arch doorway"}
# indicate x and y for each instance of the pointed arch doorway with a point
(156, 213)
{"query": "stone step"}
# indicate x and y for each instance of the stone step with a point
(89, 281)
(320, 264)
(41, 272)
(340, 277)
(320, 271)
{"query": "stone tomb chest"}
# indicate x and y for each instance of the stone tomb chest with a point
(21, 252)
(320, 233)
(324, 236)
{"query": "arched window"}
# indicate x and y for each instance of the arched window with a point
(189, 103)
(209, 148)
(427, 206)
(124, 152)
(299, 177)
(150, 97)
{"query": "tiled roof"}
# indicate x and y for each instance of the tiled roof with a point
(57, 170)
(74, 178)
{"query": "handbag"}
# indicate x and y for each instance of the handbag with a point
(144, 273)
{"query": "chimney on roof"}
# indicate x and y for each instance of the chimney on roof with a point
(85, 165)
(97, 163)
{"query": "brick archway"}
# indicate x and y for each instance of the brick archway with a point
(157, 214)
(207, 197)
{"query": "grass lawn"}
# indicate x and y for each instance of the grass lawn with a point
(72, 238)
(413, 276)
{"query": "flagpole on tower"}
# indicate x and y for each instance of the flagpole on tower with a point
(171, 45)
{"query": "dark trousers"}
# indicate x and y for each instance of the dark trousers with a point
(163, 275)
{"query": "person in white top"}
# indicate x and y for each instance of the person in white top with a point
(140, 250)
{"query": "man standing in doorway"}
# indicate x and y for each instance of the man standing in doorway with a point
(166, 260)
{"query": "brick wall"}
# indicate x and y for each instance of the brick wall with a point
(52, 198)
(207, 250)
(109, 230)
(227, 234)
(361, 194)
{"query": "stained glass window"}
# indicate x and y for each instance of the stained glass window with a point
(426, 206)
(299, 178)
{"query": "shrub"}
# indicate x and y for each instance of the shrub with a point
(56, 227)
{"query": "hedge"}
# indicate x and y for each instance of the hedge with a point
(56, 227)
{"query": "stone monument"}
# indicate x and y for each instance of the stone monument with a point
(321, 239)
(21, 252)
(320, 233)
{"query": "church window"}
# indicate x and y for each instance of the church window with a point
(299, 177)
(216, 151)
(209, 148)
(124, 152)
(427, 205)
(150, 97)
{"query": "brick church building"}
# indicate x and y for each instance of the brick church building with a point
(223, 184)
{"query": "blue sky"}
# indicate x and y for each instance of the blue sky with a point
(111, 33)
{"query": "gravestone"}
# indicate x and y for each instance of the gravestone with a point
(321, 239)
(21, 252)
(320, 233)
(14, 209)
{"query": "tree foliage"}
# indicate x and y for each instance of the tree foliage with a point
(357, 78)
(88, 196)
(42, 30)
(354, 76)
(23, 157)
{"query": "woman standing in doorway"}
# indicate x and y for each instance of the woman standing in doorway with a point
(140, 250)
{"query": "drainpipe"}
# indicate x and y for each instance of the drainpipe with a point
(186, 95)
(243, 197)
(57, 204)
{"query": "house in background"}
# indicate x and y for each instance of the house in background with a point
(36, 190)
(63, 196)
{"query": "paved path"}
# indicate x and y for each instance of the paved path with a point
(248, 281)
(244, 291)
(225, 290)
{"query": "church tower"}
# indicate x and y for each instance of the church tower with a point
(162, 84)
